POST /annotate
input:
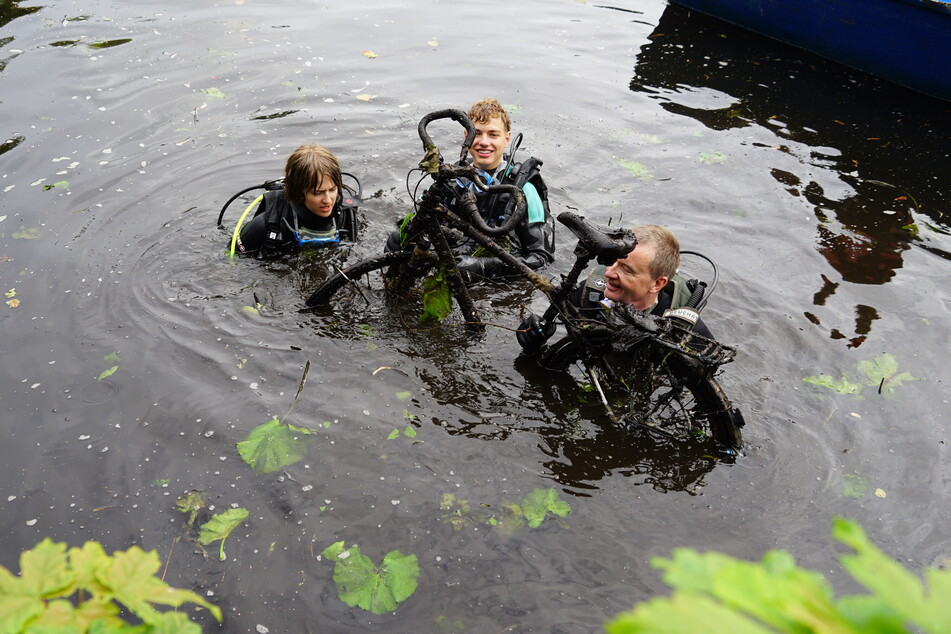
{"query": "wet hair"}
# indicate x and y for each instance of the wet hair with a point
(666, 249)
(306, 167)
(482, 111)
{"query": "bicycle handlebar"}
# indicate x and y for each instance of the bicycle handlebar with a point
(472, 216)
(449, 113)
(607, 245)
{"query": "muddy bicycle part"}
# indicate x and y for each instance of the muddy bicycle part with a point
(426, 230)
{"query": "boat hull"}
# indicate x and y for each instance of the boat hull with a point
(904, 41)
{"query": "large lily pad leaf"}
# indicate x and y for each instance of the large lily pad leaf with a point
(537, 504)
(274, 445)
(361, 583)
(883, 371)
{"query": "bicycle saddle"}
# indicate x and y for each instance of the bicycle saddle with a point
(607, 245)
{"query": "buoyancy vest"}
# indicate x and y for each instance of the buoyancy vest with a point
(496, 207)
(280, 221)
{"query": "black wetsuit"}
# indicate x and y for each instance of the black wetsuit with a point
(276, 216)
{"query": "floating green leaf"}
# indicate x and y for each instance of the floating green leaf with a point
(400, 395)
(842, 386)
(214, 93)
(191, 503)
(275, 445)
(60, 184)
(530, 511)
(409, 432)
(363, 584)
(539, 503)
(443, 623)
(110, 43)
(637, 170)
(220, 526)
(108, 372)
(365, 330)
(437, 297)
(26, 233)
(455, 511)
(712, 158)
(883, 371)
(854, 486)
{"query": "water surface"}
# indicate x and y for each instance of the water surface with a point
(820, 192)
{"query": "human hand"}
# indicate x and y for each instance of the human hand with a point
(533, 333)
(471, 269)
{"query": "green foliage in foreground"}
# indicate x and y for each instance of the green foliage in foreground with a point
(41, 598)
(715, 593)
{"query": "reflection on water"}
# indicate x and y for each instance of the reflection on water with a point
(11, 10)
(869, 218)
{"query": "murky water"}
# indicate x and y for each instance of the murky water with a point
(821, 193)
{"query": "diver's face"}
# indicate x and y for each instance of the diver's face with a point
(320, 201)
(629, 279)
(490, 143)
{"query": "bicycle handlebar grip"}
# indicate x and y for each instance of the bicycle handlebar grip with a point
(449, 113)
(608, 245)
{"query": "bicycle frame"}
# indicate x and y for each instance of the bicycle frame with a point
(424, 244)
(432, 221)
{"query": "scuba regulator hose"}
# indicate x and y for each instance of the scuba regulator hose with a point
(237, 229)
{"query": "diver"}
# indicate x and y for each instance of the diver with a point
(645, 279)
(532, 240)
(310, 206)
